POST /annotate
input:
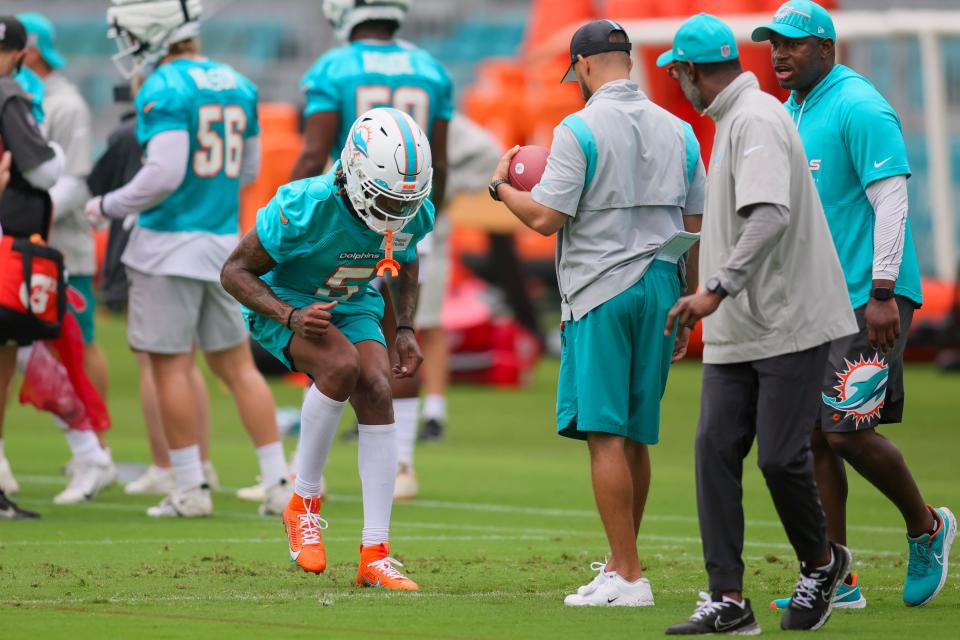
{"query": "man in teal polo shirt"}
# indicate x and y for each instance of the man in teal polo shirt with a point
(858, 159)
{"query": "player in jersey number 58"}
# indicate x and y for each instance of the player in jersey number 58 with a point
(303, 275)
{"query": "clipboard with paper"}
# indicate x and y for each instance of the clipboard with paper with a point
(678, 245)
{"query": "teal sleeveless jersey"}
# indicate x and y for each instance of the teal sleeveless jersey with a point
(363, 75)
(852, 137)
(324, 251)
(218, 108)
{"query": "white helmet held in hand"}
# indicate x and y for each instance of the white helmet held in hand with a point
(144, 30)
(388, 168)
(344, 15)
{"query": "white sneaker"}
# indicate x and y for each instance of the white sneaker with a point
(192, 503)
(210, 476)
(591, 586)
(8, 484)
(153, 481)
(275, 498)
(88, 479)
(405, 487)
(256, 493)
(610, 590)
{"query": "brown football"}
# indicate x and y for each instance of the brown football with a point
(526, 167)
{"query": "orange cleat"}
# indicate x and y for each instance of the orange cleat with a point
(302, 522)
(377, 570)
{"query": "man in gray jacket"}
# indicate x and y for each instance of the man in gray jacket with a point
(775, 297)
(623, 179)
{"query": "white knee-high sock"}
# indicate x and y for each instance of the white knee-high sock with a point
(405, 417)
(187, 467)
(273, 464)
(318, 424)
(377, 460)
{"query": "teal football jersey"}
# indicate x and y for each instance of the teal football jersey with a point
(32, 85)
(218, 108)
(852, 137)
(323, 250)
(363, 75)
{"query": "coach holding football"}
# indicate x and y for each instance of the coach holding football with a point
(623, 177)
(773, 301)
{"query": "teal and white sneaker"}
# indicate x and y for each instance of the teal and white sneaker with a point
(929, 556)
(848, 596)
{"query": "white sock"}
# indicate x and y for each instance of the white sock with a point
(405, 417)
(377, 460)
(187, 468)
(435, 407)
(740, 604)
(85, 446)
(273, 465)
(318, 424)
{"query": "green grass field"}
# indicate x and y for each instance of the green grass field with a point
(505, 526)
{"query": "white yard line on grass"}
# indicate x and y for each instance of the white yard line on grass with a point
(503, 508)
(518, 533)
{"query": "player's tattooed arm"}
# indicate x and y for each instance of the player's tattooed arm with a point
(409, 356)
(240, 276)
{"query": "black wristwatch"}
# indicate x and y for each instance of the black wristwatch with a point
(714, 286)
(881, 293)
(493, 187)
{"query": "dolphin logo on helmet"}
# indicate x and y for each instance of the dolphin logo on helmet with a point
(387, 184)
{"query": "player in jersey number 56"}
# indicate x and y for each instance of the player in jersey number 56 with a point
(303, 275)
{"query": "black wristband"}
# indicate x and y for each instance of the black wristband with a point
(289, 318)
(405, 326)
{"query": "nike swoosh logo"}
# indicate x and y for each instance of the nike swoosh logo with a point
(939, 558)
(612, 600)
(723, 626)
(283, 218)
(877, 165)
(752, 149)
(295, 555)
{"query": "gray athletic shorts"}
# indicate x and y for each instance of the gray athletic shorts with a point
(864, 387)
(434, 275)
(169, 314)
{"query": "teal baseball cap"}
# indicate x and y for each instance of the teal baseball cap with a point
(798, 19)
(40, 34)
(701, 38)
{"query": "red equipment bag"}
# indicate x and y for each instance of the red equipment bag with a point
(32, 291)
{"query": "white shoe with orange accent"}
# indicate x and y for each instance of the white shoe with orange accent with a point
(377, 570)
(303, 524)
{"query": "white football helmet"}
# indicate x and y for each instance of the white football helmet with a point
(388, 168)
(144, 29)
(344, 15)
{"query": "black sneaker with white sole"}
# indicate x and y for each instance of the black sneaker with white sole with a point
(714, 615)
(812, 602)
(10, 511)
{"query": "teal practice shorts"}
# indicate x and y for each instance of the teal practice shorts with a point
(358, 323)
(83, 304)
(614, 361)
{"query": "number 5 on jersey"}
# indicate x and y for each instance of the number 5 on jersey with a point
(336, 284)
(219, 153)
